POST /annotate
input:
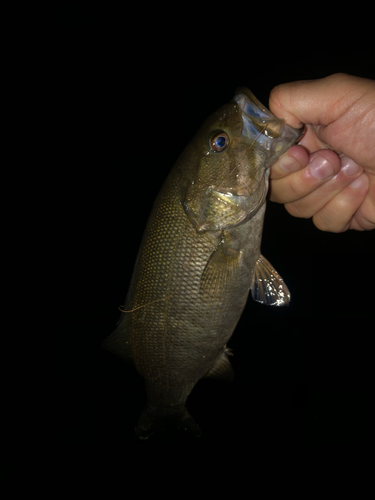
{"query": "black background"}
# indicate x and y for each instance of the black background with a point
(127, 102)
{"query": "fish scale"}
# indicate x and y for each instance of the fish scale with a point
(199, 258)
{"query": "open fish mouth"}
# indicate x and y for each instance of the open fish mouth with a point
(263, 129)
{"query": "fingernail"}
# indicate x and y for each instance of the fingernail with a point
(359, 182)
(321, 168)
(349, 167)
(289, 164)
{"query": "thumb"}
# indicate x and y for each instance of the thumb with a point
(339, 106)
(314, 102)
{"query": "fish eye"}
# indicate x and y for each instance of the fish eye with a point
(219, 141)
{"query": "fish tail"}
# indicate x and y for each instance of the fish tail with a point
(150, 423)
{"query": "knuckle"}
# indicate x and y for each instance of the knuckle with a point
(279, 97)
(327, 225)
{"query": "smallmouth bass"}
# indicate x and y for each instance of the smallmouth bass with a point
(200, 257)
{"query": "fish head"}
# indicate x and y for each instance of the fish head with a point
(233, 152)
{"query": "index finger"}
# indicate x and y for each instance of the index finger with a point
(296, 158)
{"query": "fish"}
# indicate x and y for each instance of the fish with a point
(199, 258)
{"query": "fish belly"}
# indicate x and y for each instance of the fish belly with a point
(181, 337)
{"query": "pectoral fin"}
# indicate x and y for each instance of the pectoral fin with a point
(268, 287)
(221, 269)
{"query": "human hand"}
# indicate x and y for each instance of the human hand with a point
(330, 176)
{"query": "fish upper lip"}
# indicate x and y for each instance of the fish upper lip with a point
(253, 106)
(262, 127)
(253, 109)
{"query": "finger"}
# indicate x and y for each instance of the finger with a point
(311, 141)
(323, 166)
(364, 218)
(315, 201)
(341, 109)
(316, 102)
(337, 215)
(296, 158)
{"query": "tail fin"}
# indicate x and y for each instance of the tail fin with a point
(149, 424)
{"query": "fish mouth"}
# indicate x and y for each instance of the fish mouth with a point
(263, 128)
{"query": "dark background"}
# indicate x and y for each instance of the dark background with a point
(127, 103)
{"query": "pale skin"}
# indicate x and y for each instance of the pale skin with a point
(330, 175)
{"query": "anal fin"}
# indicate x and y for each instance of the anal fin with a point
(222, 368)
(117, 343)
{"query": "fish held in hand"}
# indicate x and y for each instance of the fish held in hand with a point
(200, 257)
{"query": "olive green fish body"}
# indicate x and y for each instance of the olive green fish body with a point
(199, 258)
